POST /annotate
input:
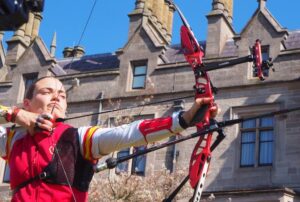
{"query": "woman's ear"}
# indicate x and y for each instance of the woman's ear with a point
(26, 103)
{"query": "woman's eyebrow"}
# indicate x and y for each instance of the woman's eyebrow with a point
(46, 88)
(62, 91)
(52, 89)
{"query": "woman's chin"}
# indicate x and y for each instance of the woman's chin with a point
(57, 114)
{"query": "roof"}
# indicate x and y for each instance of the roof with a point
(173, 54)
(97, 62)
(293, 40)
(230, 49)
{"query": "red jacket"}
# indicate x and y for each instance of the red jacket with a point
(34, 153)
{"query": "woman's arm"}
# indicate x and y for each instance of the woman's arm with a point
(96, 142)
(28, 120)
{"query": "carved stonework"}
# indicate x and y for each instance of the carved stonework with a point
(228, 5)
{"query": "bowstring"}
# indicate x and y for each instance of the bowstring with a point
(52, 110)
(56, 150)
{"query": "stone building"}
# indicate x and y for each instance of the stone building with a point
(257, 161)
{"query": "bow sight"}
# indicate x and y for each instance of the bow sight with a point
(14, 13)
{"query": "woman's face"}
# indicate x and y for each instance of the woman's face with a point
(49, 96)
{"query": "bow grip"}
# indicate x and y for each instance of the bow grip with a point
(200, 115)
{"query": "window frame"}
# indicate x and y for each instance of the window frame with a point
(3, 167)
(133, 163)
(29, 77)
(265, 52)
(130, 164)
(253, 110)
(134, 65)
(257, 129)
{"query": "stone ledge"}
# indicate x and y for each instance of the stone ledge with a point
(6, 84)
(289, 52)
(251, 191)
(89, 74)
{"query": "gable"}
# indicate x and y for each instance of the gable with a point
(264, 24)
(3, 68)
(141, 41)
(35, 57)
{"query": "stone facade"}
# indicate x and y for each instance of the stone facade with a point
(104, 81)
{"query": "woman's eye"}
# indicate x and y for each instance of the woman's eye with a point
(45, 92)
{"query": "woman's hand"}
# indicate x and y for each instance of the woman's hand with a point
(199, 102)
(34, 122)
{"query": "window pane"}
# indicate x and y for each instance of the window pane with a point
(249, 124)
(139, 162)
(266, 147)
(265, 55)
(29, 79)
(248, 149)
(138, 82)
(247, 154)
(6, 174)
(140, 70)
(267, 121)
(248, 137)
(122, 167)
(266, 153)
(266, 135)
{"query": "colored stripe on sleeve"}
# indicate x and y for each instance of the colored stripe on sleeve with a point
(88, 142)
(10, 135)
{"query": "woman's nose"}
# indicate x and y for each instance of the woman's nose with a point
(55, 96)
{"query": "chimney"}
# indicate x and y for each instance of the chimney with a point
(22, 38)
(68, 52)
(262, 4)
(36, 24)
(219, 27)
(16, 46)
(170, 21)
(149, 6)
(157, 14)
(228, 9)
(28, 28)
(224, 7)
(78, 51)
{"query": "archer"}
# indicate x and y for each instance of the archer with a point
(53, 161)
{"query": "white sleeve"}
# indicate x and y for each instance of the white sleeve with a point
(3, 140)
(96, 142)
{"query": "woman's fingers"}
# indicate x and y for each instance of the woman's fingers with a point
(43, 121)
(214, 111)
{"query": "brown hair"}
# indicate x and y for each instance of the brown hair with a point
(30, 90)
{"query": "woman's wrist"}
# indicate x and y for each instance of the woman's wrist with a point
(9, 113)
(4, 113)
(15, 111)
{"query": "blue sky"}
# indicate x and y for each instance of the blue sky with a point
(108, 27)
